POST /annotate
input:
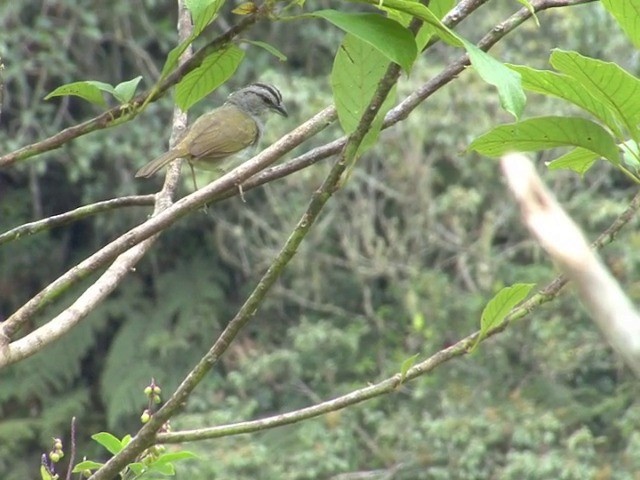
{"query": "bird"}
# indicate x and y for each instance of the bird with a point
(224, 131)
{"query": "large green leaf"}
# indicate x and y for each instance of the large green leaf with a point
(507, 81)
(569, 89)
(214, 71)
(627, 14)
(547, 132)
(605, 81)
(357, 69)
(387, 36)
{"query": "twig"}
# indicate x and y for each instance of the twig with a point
(79, 213)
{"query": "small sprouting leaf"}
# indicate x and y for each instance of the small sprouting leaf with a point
(88, 90)
(542, 133)
(269, 48)
(387, 36)
(86, 465)
(214, 71)
(44, 473)
(174, 457)
(246, 8)
(108, 441)
(163, 468)
(125, 91)
(137, 467)
(499, 307)
(125, 440)
(579, 160)
(406, 365)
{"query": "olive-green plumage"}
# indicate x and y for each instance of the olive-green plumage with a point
(212, 138)
(221, 133)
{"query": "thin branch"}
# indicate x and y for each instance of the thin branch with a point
(389, 385)
(79, 213)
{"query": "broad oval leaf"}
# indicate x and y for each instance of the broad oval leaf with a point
(357, 69)
(606, 82)
(569, 89)
(387, 36)
(214, 71)
(89, 90)
(542, 133)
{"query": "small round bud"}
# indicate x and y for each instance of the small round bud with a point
(157, 399)
(145, 417)
(148, 390)
(54, 457)
(57, 444)
(157, 390)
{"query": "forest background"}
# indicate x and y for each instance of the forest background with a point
(401, 262)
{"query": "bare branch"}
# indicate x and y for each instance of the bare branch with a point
(54, 221)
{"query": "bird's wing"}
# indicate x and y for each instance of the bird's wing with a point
(221, 133)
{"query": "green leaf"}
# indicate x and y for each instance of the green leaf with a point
(175, 457)
(606, 82)
(579, 160)
(125, 440)
(174, 55)
(88, 90)
(125, 91)
(86, 465)
(203, 12)
(164, 469)
(387, 36)
(269, 48)
(406, 365)
(137, 467)
(627, 14)
(108, 441)
(569, 89)
(214, 71)
(357, 69)
(527, 4)
(508, 83)
(547, 132)
(44, 473)
(499, 307)
(428, 31)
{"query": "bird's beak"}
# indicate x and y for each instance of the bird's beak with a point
(280, 110)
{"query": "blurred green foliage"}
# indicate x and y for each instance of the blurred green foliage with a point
(402, 261)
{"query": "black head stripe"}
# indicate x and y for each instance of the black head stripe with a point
(270, 94)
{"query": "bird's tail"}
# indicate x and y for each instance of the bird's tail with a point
(156, 164)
